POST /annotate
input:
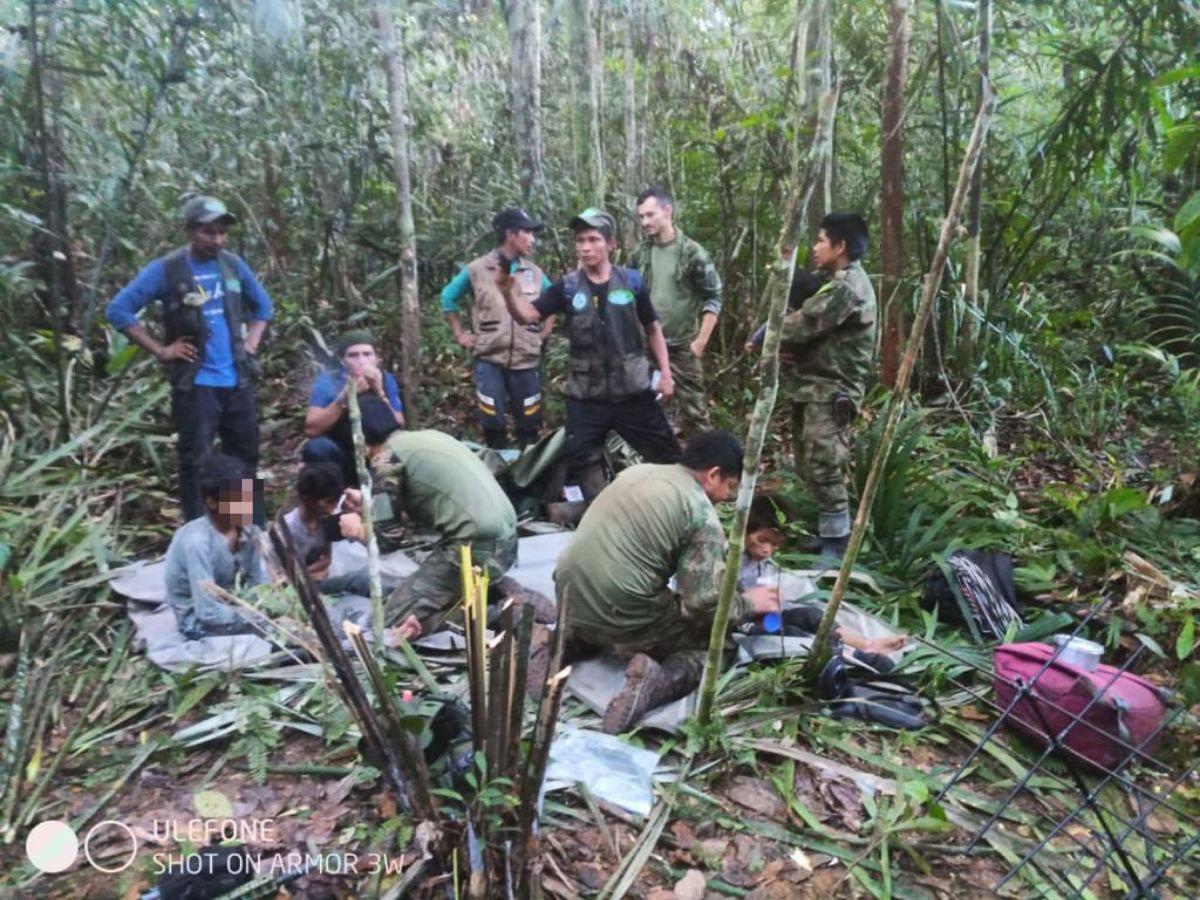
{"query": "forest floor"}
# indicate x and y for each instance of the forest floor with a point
(783, 802)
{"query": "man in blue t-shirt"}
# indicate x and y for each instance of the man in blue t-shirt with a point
(214, 316)
(327, 422)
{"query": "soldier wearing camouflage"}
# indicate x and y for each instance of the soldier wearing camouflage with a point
(828, 350)
(652, 524)
(685, 289)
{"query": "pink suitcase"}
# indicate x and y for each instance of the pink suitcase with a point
(1128, 707)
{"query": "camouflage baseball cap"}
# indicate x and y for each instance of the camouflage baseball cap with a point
(201, 210)
(593, 217)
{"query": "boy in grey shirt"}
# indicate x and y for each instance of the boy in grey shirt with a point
(222, 547)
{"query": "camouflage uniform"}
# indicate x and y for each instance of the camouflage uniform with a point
(443, 487)
(653, 522)
(692, 289)
(829, 353)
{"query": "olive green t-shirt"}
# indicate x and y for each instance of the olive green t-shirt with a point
(678, 310)
(653, 522)
(445, 487)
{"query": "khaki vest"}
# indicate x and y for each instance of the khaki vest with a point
(499, 338)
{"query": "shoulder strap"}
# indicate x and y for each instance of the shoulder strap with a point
(178, 274)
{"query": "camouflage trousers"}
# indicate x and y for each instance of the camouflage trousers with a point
(821, 446)
(434, 591)
(685, 640)
(689, 410)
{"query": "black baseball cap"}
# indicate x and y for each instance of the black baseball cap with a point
(201, 210)
(513, 218)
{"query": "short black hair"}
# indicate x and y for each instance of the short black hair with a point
(659, 193)
(319, 481)
(216, 470)
(766, 512)
(848, 227)
(714, 448)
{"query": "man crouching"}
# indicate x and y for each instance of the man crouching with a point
(655, 522)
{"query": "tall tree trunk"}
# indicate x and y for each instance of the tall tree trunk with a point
(826, 72)
(586, 12)
(891, 211)
(969, 330)
(632, 165)
(525, 76)
(784, 262)
(53, 246)
(933, 280)
(410, 309)
(819, 79)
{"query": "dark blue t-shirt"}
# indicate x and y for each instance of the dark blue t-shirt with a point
(330, 383)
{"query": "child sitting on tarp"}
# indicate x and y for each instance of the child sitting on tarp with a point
(314, 524)
(765, 533)
(223, 547)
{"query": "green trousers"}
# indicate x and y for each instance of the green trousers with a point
(434, 591)
(822, 454)
(689, 410)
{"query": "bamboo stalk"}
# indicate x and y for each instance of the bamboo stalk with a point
(416, 772)
(499, 698)
(538, 757)
(519, 672)
(776, 293)
(368, 516)
(933, 280)
(350, 687)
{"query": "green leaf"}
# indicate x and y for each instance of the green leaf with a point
(1186, 640)
(1181, 141)
(212, 805)
(1189, 214)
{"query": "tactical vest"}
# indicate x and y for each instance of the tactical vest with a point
(608, 345)
(499, 338)
(184, 320)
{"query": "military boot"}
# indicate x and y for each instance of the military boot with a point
(648, 685)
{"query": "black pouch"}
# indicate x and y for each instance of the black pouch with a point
(844, 410)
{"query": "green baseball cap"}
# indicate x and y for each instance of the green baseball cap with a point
(201, 210)
(592, 217)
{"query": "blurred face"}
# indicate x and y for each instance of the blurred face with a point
(592, 248)
(654, 217)
(521, 242)
(208, 240)
(762, 543)
(359, 357)
(235, 502)
(827, 254)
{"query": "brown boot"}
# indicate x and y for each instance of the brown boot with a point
(544, 610)
(648, 685)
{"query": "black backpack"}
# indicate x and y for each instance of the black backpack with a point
(975, 588)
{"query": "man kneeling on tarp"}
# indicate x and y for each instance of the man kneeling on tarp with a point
(440, 486)
(655, 522)
(222, 547)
